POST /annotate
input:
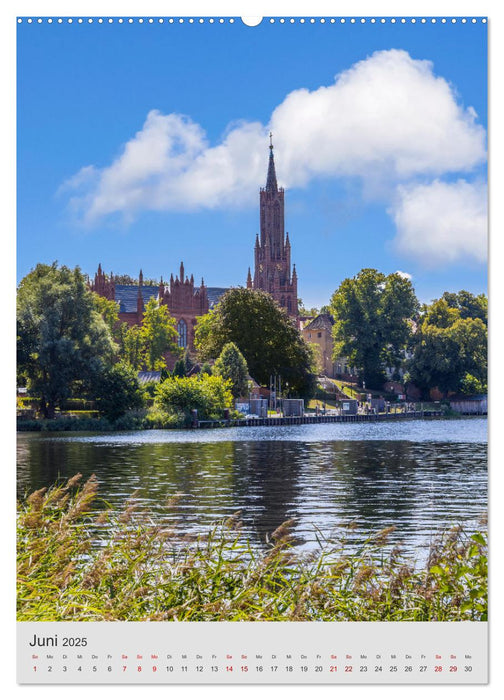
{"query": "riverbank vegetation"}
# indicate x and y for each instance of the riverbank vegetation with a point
(266, 336)
(128, 407)
(72, 346)
(71, 568)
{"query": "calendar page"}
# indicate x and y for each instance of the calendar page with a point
(252, 349)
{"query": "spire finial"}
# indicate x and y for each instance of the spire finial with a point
(271, 181)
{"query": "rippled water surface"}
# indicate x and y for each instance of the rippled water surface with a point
(420, 476)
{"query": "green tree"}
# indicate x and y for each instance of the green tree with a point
(469, 305)
(109, 311)
(117, 391)
(62, 338)
(372, 314)
(158, 334)
(188, 361)
(132, 350)
(127, 279)
(209, 395)
(206, 368)
(179, 369)
(232, 365)
(450, 351)
(265, 334)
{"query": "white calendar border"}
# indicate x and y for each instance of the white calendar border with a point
(230, 8)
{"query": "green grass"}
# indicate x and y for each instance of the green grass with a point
(347, 388)
(329, 404)
(71, 568)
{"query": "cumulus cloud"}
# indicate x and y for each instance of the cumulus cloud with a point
(405, 275)
(387, 117)
(441, 222)
(388, 113)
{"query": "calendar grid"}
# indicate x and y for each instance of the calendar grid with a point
(235, 653)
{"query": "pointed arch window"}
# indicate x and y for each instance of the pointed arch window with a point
(182, 333)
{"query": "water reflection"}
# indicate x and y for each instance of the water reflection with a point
(421, 487)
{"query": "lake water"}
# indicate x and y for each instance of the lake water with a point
(420, 476)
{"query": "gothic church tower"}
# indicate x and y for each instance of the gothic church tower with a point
(272, 270)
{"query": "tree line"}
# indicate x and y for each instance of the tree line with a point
(70, 343)
(379, 324)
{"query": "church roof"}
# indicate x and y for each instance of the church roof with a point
(146, 377)
(127, 294)
(319, 322)
(214, 294)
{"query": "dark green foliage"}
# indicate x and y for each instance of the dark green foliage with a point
(63, 342)
(232, 365)
(179, 369)
(468, 305)
(372, 313)
(118, 391)
(450, 345)
(188, 362)
(265, 335)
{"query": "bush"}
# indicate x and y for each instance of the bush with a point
(118, 392)
(132, 420)
(158, 419)
(77, 405)
(64, 423)
(179, 370)
(232, 365)
(208, 395)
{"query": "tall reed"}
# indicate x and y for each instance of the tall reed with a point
(71, 568)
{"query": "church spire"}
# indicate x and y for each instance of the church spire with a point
(271, 181)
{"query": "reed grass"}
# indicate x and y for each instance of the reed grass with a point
(70, 567)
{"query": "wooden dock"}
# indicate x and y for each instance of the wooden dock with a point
(313, 419)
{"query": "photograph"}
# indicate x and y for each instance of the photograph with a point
(251, 320)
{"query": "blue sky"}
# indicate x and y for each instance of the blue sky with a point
(142, 145)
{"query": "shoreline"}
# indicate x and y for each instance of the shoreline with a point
(72, 424)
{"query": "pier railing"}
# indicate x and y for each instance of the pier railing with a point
(310, 419)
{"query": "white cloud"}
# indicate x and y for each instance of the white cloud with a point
(388, 113)
(441, 222)
(405, 275)
(388, 117)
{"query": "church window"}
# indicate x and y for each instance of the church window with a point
(182, 333)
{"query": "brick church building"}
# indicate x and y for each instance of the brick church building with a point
(185, 301)
(272, 264)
